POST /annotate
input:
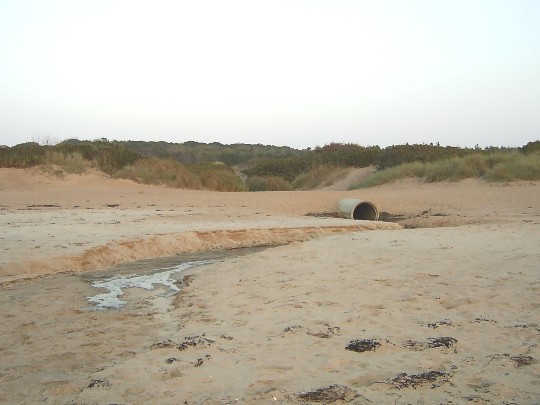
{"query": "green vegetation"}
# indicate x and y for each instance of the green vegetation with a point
(243, 167)
(332, 155)
(399, 154)
(267, 183)
(191, 153)
(71, 162)
(219, 177)
(159, 171)
(23, 155)
(319, 176)
(506, 166)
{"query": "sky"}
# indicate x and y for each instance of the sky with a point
(299, 73)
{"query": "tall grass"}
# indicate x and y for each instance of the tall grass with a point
(70, 162)
(24, 155)
(267, 183)
(319, 176)
(159, 171)
(174, 174)
(219, 177)
(497, 166)
(527, 167)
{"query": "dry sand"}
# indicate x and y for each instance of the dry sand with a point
(440, 308)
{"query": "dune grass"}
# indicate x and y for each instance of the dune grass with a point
(319, 176)
(267, 183)
(70, 162)
(159, 171)
(219, 177)
(216, 177)
(493, 167)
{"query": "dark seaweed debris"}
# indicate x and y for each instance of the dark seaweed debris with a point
(414, 380)
(435, 325)
(329, 394)
(363, 345)
(99, 384)
(292, 328)
(166, 344)
(522, 360)
(200, 360)
(430, 343)
(325, 334)
(190, 341)
(440, 342)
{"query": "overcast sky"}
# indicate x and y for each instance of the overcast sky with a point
(291, 72)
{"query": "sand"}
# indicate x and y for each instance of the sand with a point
(441, 306)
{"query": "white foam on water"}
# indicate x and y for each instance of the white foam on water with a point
(117, 284)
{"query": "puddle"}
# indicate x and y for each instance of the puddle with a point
(147, 275)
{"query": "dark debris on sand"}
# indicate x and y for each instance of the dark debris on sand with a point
(430, 343)
(99, 384)
(403, 380)
(328, 214)
(190, 341)
(522, 360)
(363, 345)
(440, 342)
(292, 328)
(435, 325)
(329, 394)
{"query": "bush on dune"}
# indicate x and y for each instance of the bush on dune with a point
(24, 155)
(219, 177)
(284, 170)
(159, 171)
(70, 162)
(523, 168)
(267, 183)
(496, 166)
(319, 176)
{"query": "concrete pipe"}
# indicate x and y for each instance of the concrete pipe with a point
(357, 209)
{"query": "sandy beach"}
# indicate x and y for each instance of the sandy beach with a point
(439, 302)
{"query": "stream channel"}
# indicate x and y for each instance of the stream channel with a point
(149, 274)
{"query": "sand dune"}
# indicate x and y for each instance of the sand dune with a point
(342, 312)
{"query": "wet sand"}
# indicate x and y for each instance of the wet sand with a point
(344, 312)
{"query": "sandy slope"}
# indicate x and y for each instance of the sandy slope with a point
(454, 308)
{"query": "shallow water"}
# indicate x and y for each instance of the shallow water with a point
(149, 274)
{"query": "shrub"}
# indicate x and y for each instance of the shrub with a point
(525, 167)
(399, 154)
(22, 156)
(267, 183)
(346, 155)
(332, 155)
(221, 180)
(159, 171)
(285, 168)
(531, 147)
(71, 162)
(322, 175)
(113, 157)
(502, 165)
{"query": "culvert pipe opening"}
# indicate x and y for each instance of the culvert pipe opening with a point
(358, 209)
